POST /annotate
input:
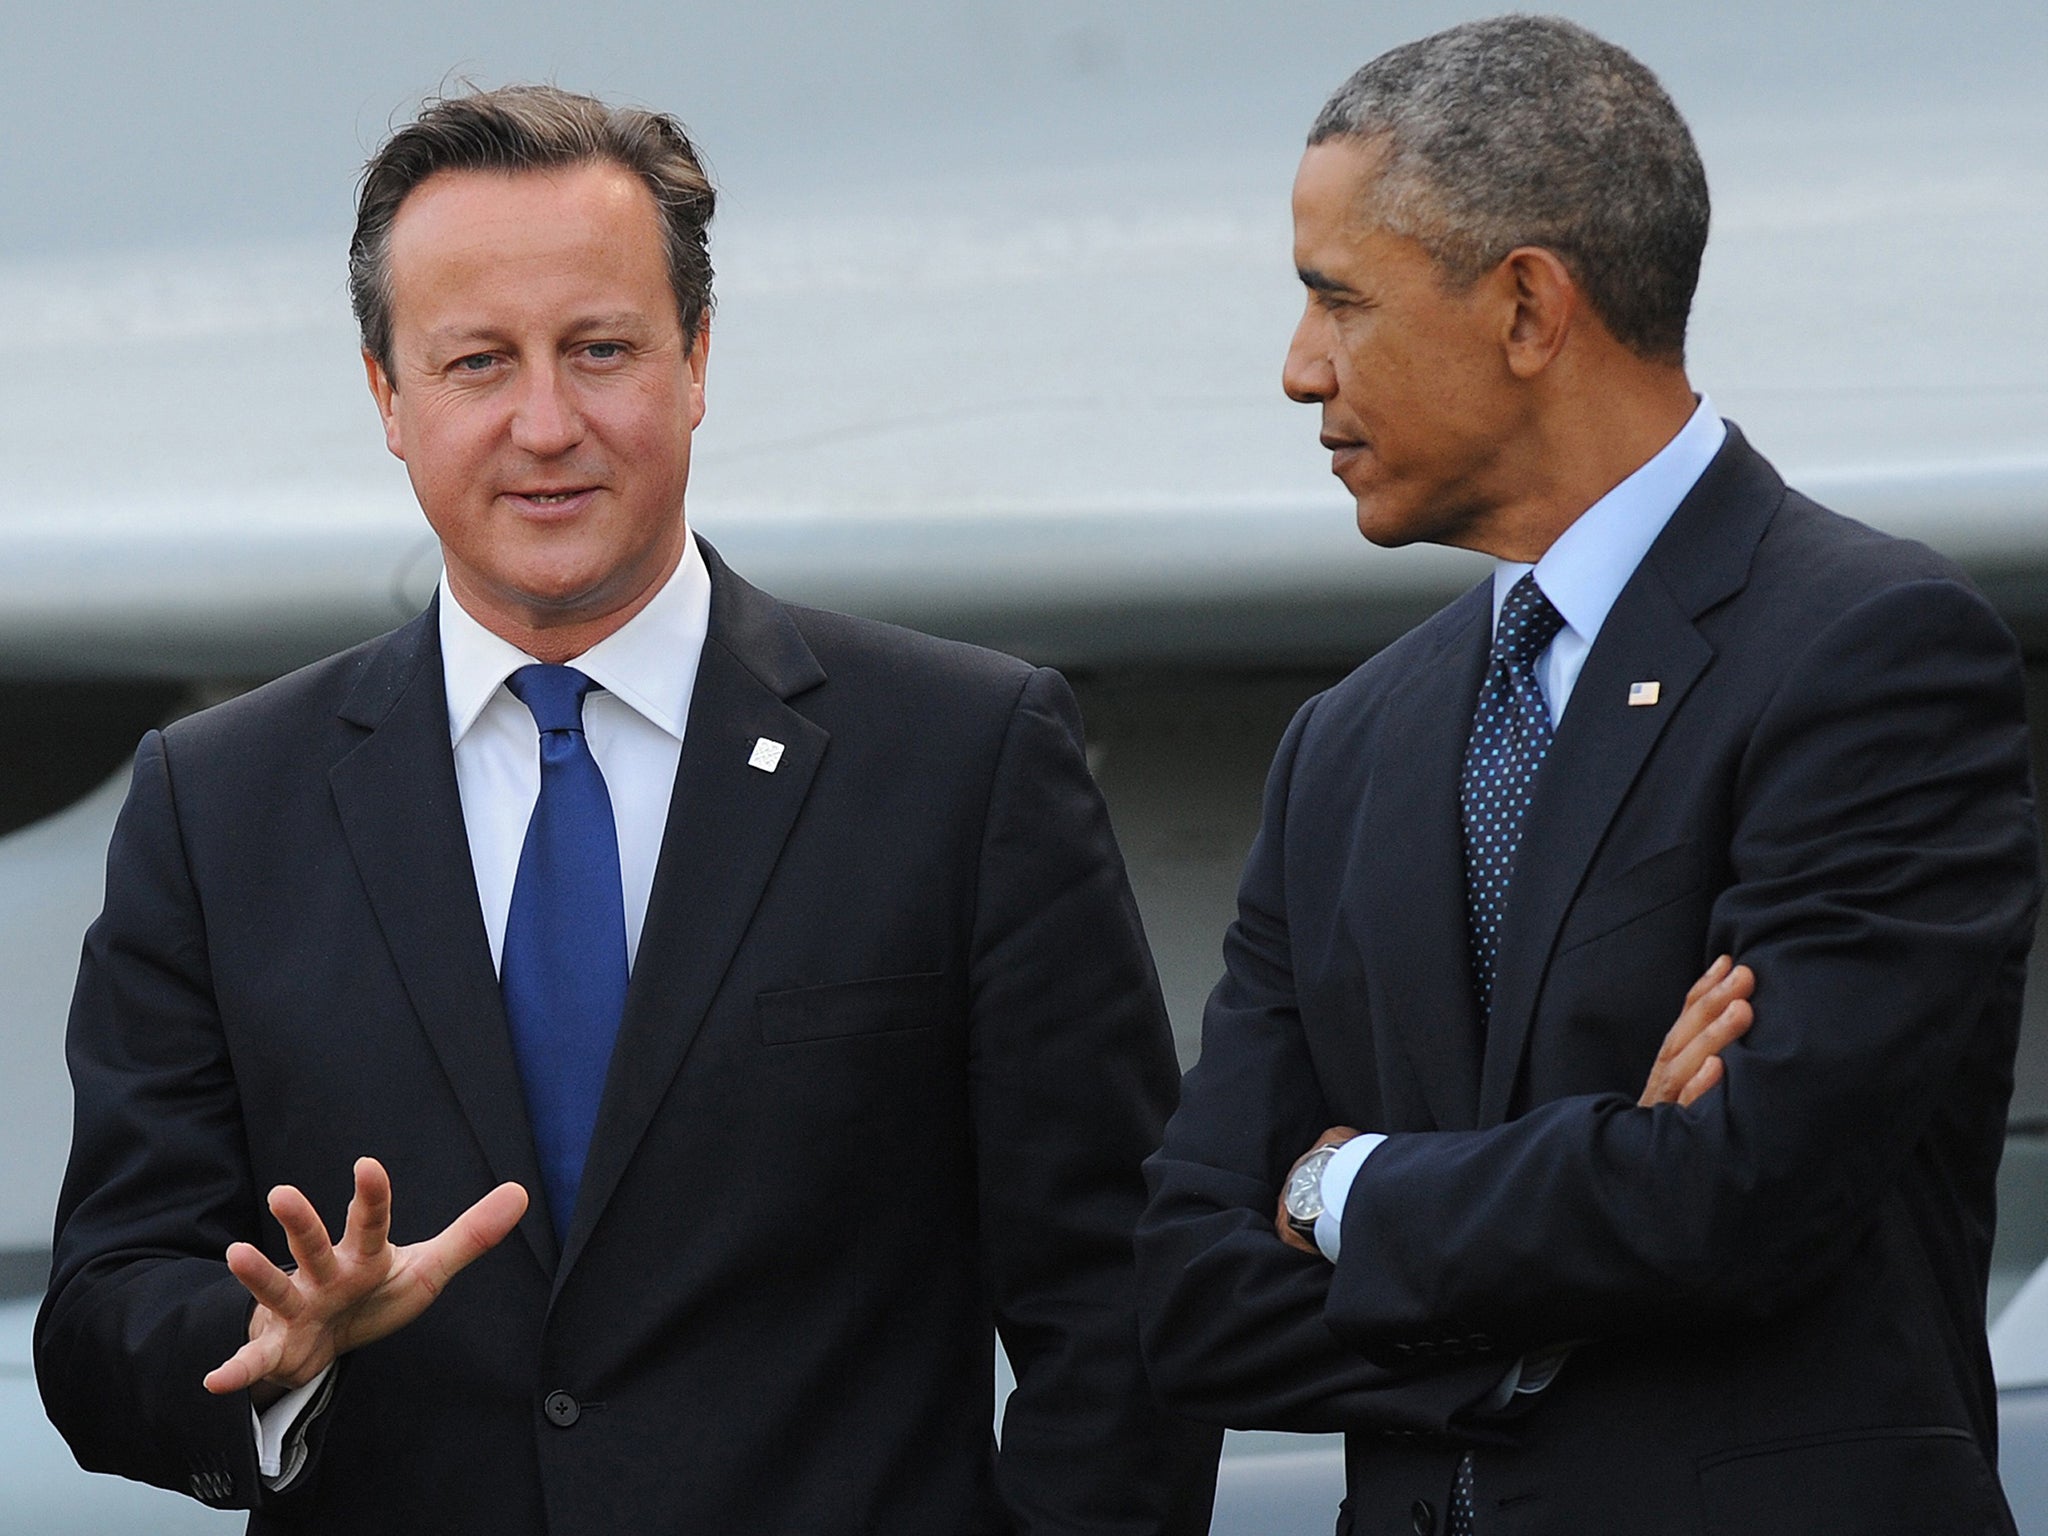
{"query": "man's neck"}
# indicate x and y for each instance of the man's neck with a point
(1581, 445)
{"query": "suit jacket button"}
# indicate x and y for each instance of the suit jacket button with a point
(1422, 1517)
(562, 1409)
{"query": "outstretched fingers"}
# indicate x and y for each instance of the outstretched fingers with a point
(369, 1211)
(469, 1236)
(352, 1293)
(264, 1352)
(305, 1233)
(245, 1367)
(271, 1286)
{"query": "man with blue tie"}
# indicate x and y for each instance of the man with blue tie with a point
(708, 1022)
(1417, 1190)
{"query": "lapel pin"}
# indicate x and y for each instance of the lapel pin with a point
(767, 754)
(1640, 694)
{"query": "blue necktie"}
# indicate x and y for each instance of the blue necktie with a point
(564, 965)
(1463, 1513)
(1510, 734)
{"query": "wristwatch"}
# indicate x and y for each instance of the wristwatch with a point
(1304, 1198)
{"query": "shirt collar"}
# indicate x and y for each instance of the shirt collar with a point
(1584, 571)
(649, 663)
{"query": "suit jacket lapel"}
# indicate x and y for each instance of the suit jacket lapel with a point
(1601, 745)
(1700, 559)
(1412, 931)
(727, 823)
(402, 816)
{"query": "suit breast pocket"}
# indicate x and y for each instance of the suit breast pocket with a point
(1644, 887)
(874, 1005)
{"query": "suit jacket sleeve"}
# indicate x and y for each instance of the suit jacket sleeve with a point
(1884, 864)
(1072, 1076)
(1234, 1319)
(141, 1304)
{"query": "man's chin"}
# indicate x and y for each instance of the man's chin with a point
(527, 604)
(557, 592)
(549, 605)
(1385, 527)
(1390, 524)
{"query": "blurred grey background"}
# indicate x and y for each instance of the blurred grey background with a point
(1003, 294)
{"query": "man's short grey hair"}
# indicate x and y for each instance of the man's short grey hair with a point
(532, 128)
(1530, 130)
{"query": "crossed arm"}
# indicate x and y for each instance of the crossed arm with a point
(1717, 1013)
(1884, 875)
(343, 1295)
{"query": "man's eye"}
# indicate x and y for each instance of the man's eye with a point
(605, 351)
(476, 362)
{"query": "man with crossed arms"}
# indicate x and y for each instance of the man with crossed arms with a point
(1691, 714)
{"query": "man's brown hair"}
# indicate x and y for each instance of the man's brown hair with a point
(532, 128)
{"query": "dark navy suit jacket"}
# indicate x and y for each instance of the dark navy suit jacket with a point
(891, 1059)
(1777, 1294)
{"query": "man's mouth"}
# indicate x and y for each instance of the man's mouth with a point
(551, 498)
(1344, 452)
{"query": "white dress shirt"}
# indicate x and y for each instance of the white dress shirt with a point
(647, 670)
(1582, 574)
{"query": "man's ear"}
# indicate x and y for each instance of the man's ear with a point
(1547, 304)
(700, 355)
(385, 393)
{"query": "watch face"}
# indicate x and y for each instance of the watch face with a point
(1305, 1188)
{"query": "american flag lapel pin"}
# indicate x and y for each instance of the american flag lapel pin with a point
(766, 754)
(1641, 694)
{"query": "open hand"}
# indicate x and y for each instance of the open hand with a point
(1716, 1014)
(347, 1294)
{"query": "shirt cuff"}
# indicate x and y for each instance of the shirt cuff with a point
(1338, 1173)
(280, 1437)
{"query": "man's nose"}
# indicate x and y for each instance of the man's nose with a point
(545, 418)
(1307, 375)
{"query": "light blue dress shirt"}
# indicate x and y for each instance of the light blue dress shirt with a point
(1582, 574)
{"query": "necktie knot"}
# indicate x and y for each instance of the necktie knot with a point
(1528, 623)
(553, 694)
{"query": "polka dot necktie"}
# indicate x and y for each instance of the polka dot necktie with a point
(1510, 734)
(563, 972)
(1460, 1522)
